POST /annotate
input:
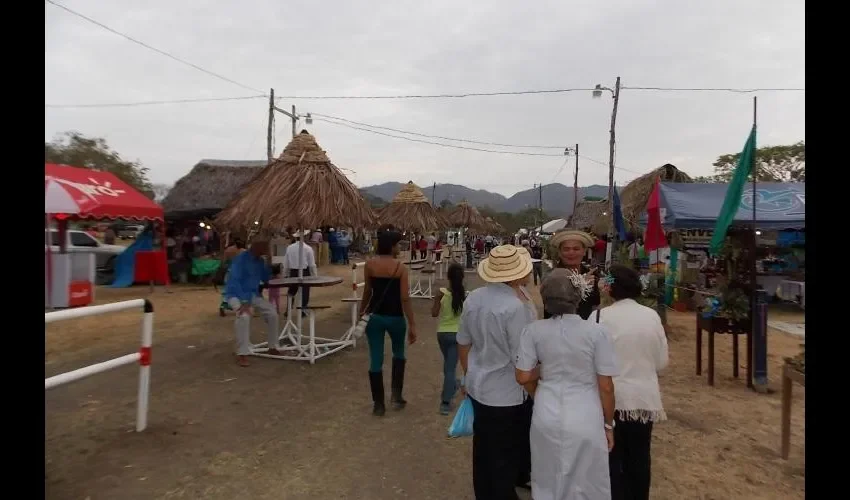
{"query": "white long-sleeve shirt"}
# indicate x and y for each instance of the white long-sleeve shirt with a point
(308, 259)
(641, 347)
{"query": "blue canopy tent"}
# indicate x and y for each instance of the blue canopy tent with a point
(779, 205)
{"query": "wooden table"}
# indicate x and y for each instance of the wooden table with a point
(789, 376)
(720, 325)
(291, 335)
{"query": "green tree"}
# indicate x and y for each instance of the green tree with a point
(77, 150)
(446, 204)
(775, 164)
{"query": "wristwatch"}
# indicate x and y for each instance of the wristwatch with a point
(610, 427)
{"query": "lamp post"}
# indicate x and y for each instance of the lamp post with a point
(615, 93)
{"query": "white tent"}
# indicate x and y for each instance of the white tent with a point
(553, 225)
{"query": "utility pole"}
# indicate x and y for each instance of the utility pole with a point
(434, 195)
(270, 135)
(575, 185)
(540, 202)
(294, 117)
(611, 146)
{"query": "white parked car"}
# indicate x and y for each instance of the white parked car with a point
(81, 241)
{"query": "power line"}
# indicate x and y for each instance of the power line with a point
(714, 89)
(149, 47)
(544, 91)
(434, 136)
(152, 103)
(521, 153)
(321, 118)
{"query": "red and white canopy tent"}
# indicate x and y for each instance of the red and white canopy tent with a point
(81, 193)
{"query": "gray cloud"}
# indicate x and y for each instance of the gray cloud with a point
(411, 47)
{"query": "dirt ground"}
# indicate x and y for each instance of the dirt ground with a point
(285, 429)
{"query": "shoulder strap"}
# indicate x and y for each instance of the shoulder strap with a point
(598, 310)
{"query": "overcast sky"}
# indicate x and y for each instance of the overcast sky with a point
(373, 47)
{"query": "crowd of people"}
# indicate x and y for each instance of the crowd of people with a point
(564, 405)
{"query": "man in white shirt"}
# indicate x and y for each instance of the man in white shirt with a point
(292, 264)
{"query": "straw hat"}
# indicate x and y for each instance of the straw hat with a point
(571, 235)
(506, 263)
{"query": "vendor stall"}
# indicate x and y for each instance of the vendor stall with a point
(77, 193)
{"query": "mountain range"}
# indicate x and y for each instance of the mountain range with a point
(557, 198)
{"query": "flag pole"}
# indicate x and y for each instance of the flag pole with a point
(754, 249)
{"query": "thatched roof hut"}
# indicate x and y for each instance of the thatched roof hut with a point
(209, 187)
(465, 215)
(633, 199)
(302, 188)
(411, 210)
(494, 226)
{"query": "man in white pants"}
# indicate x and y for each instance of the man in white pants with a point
(247, 271)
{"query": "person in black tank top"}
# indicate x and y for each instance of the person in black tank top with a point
(387, 300)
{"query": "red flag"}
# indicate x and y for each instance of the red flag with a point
(653, 238)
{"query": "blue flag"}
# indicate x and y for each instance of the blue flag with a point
(619, 225)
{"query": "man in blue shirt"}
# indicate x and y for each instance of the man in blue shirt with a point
(247, 271)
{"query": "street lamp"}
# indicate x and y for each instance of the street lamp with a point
(615, 93)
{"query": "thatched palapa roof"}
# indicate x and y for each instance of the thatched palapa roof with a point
(494, 226)
(633, 199)
(411, 210)
(209, 187)
(465, 215)
(303, 189)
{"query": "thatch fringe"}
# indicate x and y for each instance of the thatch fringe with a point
(302, 188)
(411, 210)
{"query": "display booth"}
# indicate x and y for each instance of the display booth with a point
(72, 193)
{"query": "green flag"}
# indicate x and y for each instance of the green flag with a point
(732, 202)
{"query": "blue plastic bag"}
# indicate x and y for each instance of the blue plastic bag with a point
(462, 423)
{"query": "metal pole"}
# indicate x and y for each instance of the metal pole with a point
(755, 337)
(575, 185)
(611, 145)
(294, 117)
(270, 134)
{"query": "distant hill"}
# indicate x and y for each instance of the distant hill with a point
(557, 198)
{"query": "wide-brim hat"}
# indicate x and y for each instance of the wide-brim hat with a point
(582, 237)
(506, 263)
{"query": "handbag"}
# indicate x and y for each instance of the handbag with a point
(462, 423)
(360, 328)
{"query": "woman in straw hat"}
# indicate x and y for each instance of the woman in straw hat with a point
(491, 323)
(567, 364)
(570, 247)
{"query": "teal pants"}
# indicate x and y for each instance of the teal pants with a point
(396, 327)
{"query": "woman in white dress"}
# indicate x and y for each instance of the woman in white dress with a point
(572, 425)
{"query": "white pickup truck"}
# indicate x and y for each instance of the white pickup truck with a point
(80, 241)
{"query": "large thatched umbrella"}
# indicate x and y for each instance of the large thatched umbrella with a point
(494, 226)
(302, 189)
(465, 215)
(411, 210)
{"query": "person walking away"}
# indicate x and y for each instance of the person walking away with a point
(305, 262)
(641, 346)
(432, 245)
(386, 299)
(567, 365)
(447, 306)
(569, 247)
(488, 336)
(537, 254)
(247, 271)
(344, 245)
(468, 249)
(333, 246)
(422, 245)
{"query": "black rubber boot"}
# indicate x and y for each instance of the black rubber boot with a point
(376, 383)
(397, 384)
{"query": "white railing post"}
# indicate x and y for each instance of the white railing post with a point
(145, 368)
